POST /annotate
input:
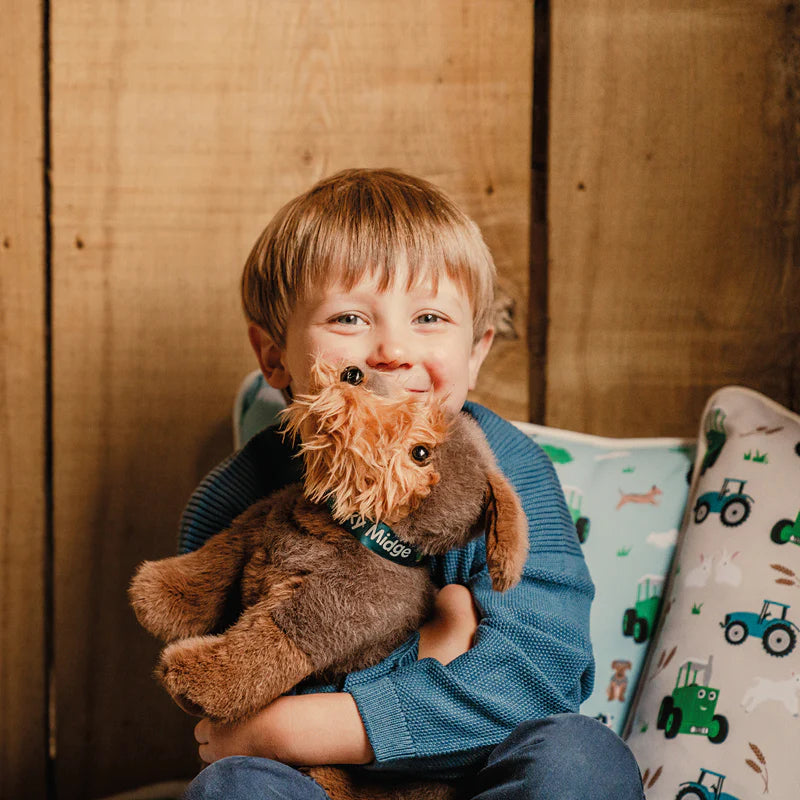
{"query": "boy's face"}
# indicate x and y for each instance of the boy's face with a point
(420, 338)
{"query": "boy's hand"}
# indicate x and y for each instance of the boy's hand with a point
(217, 740)
(300, 730)
(450, 631)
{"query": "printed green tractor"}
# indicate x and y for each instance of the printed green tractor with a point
(574, 497)
(707, 787)
(778, 634)
(690, 708)
(640, 620)
(733, 507)
(785, 531)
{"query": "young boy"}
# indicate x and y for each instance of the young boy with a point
(379, 269)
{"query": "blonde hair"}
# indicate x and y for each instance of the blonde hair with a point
(357, 224)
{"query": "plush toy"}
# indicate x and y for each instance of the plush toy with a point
(329, 576)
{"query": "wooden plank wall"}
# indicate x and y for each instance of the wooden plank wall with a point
(22, 407)
(674, 209)
(178, 129)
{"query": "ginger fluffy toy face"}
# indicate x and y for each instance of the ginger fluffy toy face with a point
(316, 600)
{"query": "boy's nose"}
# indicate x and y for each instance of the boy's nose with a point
(389, 352)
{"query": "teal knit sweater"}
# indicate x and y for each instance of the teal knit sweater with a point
(531, 658)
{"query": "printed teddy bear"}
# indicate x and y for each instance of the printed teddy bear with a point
(328, 577)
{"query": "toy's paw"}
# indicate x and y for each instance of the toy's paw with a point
(193, 671)
(158, 603)
(172, 600)
(146, 595)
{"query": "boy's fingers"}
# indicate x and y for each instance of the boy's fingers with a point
(206, 756)
(202, 731)
(454, 605)
(202, 734)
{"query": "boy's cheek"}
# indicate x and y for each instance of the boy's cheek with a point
(477, 356)
(331, 355)
(448, 378)
(337, 356)
(448, 365)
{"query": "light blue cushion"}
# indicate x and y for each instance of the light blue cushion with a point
(627, 498)
(257, 406)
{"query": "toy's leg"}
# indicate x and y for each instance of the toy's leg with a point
(347, 784)
(186, 595)
(231, 676)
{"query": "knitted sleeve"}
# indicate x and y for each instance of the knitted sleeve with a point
(262, 466)
(532, 655)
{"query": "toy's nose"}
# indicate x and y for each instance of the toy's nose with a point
(352, 375)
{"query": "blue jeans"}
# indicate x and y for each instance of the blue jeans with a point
(568, 756)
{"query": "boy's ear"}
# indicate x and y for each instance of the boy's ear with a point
(270, 357)
(479, 352)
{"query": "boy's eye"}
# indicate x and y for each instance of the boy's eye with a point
(348, 319)
(428, 318)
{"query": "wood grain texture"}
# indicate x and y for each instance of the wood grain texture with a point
(23, 713)
(178, 129)
(674, 201)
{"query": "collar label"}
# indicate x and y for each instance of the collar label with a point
(381, 539)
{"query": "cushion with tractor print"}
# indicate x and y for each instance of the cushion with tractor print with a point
(627, 497)
(717, 711)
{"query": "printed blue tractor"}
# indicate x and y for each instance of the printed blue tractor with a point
(707, 787)
(732, 506)
(690, 708)
(778, 635)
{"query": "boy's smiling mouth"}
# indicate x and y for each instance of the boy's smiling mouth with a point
(399, 380)
(413, 388)
(392, 382)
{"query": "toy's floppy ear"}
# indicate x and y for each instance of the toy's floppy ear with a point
(506, 533)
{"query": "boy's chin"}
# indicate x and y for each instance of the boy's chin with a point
(449, 402)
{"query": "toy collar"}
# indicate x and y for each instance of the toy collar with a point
(382, 540)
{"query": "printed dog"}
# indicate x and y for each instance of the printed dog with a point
(618, 685)
(315, 601)
(650, 497)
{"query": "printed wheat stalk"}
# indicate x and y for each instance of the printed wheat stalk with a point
(656, 776)
(760, 768)
(791, 580)
(663, 661)
(649, 780)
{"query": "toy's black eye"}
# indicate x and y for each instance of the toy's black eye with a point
(420, 453)
(352, 375)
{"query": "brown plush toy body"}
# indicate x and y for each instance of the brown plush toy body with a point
(317, 602)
